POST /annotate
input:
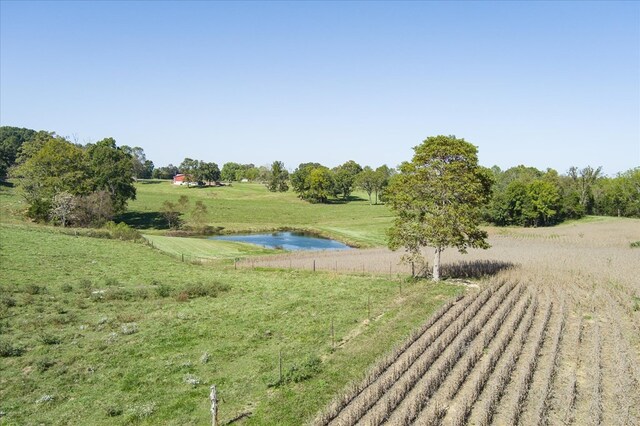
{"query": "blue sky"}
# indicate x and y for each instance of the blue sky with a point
(545, 84)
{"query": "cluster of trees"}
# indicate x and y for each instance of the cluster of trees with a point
(526, 196)
(316, 183)
(69, 183)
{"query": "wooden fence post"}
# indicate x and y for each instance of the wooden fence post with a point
(280, 367)
(213, 396)
(333, 335)
(314, 265)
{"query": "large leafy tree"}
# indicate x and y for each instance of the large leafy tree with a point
(11, 141)
(437, 199)
(207, 172)
(345, 177)
(278, 177)
(58, 166)
(110, 170)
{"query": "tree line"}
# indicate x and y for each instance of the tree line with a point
(64, 181)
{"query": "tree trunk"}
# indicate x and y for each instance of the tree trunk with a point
(436, 264)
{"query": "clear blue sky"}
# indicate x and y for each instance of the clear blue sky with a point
(545, 84)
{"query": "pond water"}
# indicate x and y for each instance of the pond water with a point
(287, 241)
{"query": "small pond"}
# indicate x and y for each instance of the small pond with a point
(287, 241)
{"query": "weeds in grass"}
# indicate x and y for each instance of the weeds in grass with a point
(7, 349)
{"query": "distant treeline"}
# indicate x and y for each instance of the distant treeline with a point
(55, 173)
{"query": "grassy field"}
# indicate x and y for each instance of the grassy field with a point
(111, 332)
(250, 207)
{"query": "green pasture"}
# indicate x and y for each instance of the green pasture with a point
(203, 248)
(249, 207)
(96, 331)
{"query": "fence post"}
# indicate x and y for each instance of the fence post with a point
(314, 265)
(369, 306)
(280, 366)
(182, 254)
(333, 335)
(213, 396)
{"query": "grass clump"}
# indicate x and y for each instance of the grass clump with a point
(635, 244)
(8, 349)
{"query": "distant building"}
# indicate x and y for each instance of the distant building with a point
(179, 179)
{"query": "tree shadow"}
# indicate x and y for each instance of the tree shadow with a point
(341, 200)
(475, 269)
(144, 220)
(6, 184)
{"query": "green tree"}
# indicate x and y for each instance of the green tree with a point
(584, 180)
(171, 213)
(11, 141)
(189, 167)
(367, 181)
(381, 180)
(321, 185)
(544, 203)
(300, 179)
(167, 172)
(207, 172)
(278, 177)
(199, 216)
(437, 199)
(110, 170)
(142, 168)
(345, 177)
(58, 166)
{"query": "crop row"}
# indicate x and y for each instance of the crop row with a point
(427, 375)
(437, 333)
(406, 377)
(448, 374)
(515, 332)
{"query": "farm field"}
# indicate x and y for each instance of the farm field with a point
(126, 333)
(555, 339)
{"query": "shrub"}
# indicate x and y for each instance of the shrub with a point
(122, 231)
(205, 290)
(8, 301)
(49, 339)
(44, 364)
(113, 411)
(635, 244)
(301, 372)
(67, 288)
(7, 349)
(34, 289)
(163, 290)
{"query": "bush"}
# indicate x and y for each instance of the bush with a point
(205, 290)
(8, 301)
(122, 231)
(163, 290)
(301, 372)
(49, 339)
(635, 244)
(7, 349)
(34, 289)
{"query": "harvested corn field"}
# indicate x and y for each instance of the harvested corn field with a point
(553, 340)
